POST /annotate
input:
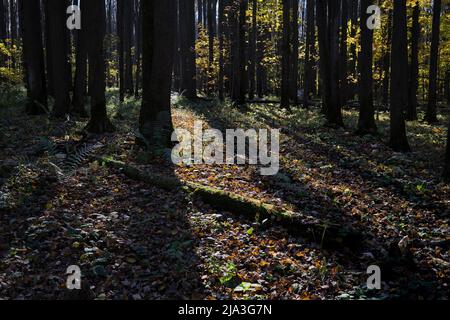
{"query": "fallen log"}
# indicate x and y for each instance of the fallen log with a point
(325, 233)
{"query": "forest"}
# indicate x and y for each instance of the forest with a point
(224, 149)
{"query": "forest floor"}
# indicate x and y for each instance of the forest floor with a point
(135, 241)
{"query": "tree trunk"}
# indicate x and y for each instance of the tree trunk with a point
(187, 48)
(33, 56)
(399, 87)
(211, 33)
(324, 65)
(81, 70)
(310, 43)
(242, 52)
(366, 123)
(95, 24)
(286, 54)
(343, 53)
(2, 20)
(158, 30)
(334, 110)
(387, 61)
(221, 34)
(293, 78)
(138, 31)
(411, 111)
(48, 53)
(252, 51)
(60, 66)
(431, 114)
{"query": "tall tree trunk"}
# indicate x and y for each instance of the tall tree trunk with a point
(127, 43)
(324, 60)
(48, 53)
(242, 52)
(387, 61)
(286, 54)
(352, 64)
(211, 34)
(61, 71)
(79, 93)
(187, 38)
(158, 30)
(293, 78)
(252, 51)
(3, 11)
(13, 26)
(399, 87)
(176, 82)
(33, 56)
(221, 34)
(121, 48)
(310, 43)
(411, 112)
(343, 52)
(366, 123)
(200, 11)
(138, 31)
(334, 110)
(431, 114)
(94, 20)
(233, 20)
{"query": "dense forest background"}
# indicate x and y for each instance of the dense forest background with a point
(87, 116)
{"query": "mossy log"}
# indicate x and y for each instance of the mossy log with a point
(323, 232)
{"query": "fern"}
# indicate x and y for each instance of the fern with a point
(74, 160)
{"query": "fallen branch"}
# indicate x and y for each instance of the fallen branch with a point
(323, 232)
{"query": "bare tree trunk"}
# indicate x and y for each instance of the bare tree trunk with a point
(138, 31)
(61, 71)
(366, 123)
(80, 71)
(286, 54)
(343, 53)
(242, 52)
(252, 51)
(411, 112)
(188, 64)
(95, 24)
(431, 114)
(293, 78)
(158, 32)
(222, 5)
(33, 56)
(387, 62)
(399, 87)
(310, 43)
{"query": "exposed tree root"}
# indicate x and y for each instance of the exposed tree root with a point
(323, 232)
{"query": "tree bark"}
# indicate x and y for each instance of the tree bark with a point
(187, 46)
(242, 52)
(79, 93)
(33, 56)
(286, 54)
(158, 30)
(252, 51)
(366, 123)
(60, 66)
(94, 16)
(293, 78)
(138, 31)
(221, 35)
(411, 112)
(399, 87)
(431, 114)
(310, 43)
(387, 61)
(343, 53)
